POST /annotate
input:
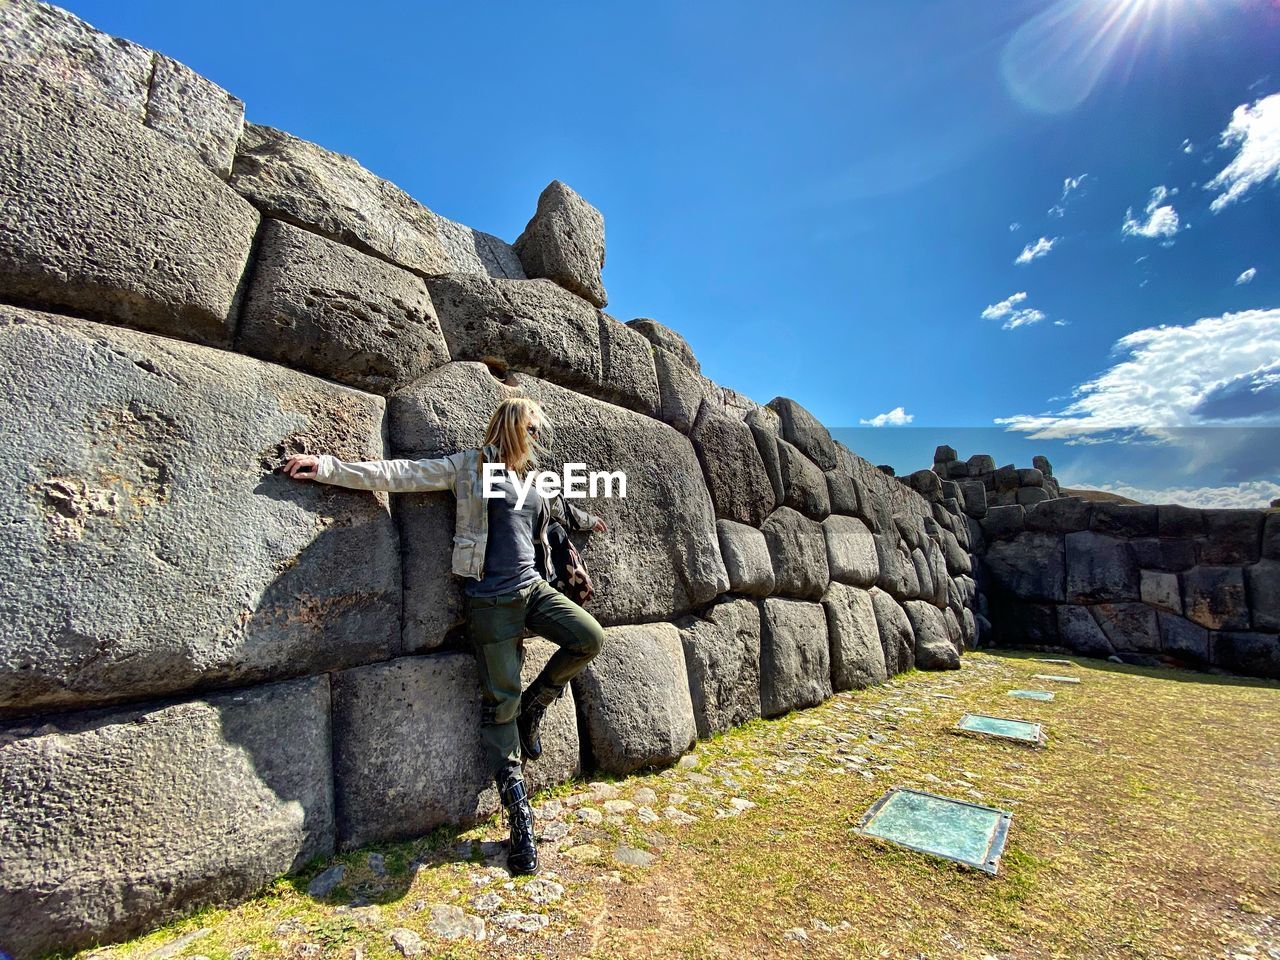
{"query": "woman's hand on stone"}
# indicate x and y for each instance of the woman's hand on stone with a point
(598, 526)
(302, 466)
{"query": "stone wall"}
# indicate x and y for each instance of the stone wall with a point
(1141, 584)
(212, 673)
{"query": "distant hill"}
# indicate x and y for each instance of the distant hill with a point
(1097, 495)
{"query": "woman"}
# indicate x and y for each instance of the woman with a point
(503, 552)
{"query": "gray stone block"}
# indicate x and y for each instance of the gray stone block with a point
(1175, 521)
(934, 649)
(116, 821)
(1043, 465)
(661, 556)
(1007, 478)
(798, 550)
(842, 490)
(857, 658)
(1248, 654)
(1030, 478)
(803, 430)
(681, 392)
(722, 659)
(746, 558)
(1124, 519)
(564, 242)
(981, 463)
(1129, 626)
(1079, 631)
(897, 575)
(1003, 522)
(1030, 496)
(1024, 624)
(195, 113)
(926, 589)
(1263, 581)
(945, 454)
(664, 338)
(851, 551)
(333, 195)
(925, 483)
(1100, 568)
(956, 557)
(626, 362)
(736, 478)
(473, 251)
(142, 470)
(975, 498)
(1214, 597)
(106, 218)
(1062, 515)
(1232, 536)
(634, 699)
(407, 750)
(326, 309)
(1183, 640)
(1160, 589)
(1171, 555)
(804, 486)
(1271, 536)
(795, 658)
(897, 640)
(1032, 566)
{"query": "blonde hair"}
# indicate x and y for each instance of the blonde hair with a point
(508, 428)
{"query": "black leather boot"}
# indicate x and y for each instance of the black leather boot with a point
(522, 852)
(533, 704)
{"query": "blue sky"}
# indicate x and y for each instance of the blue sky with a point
(821, 199)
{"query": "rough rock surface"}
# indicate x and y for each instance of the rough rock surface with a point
(117, 820)
(635, 699)
(196, 113)
(795, 656)
(89, 196)
(857, 657)
(897, 639)
(798, 550)
(934, 649)
(746, 558)
(722, 658)
(332, 194)
(804, 486)
(735, 474)
(660, 557)
(564, 242)
(143, 470)
(803, 430)
(851, 551)
(663, 337)
(318, 306)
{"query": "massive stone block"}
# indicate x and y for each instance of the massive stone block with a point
(109, 219)
(318, 306)
(1182, 639)
(1271, 536)
(1078, 630)
(681, 391)
(1031, 565)
(934, 649)
(1263, 581)
(897, 639)
(746, 558)
(851, 551)
(803, 430)
(330, 193)
(798, 550)
(473, 251)
(857, 657)
(1099, 568)
(629, 376)
(663, 337)
(407, 750)
(736, 478)
(1232, 536)
(1129, 626)
(804, 486)
(115, 821)
(1124, 519)
(660, 557)
(196, 113)
(635, 699)
(1171, 555)
(842, 490)
(1062, 515)
(1214, 597)
(1250, 654)
(1004, 522)
(722, 658)
(795, 658)
(151, 547)
(564, 242)
(1161, 590)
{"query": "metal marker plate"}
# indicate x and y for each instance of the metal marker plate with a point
(1061, 663)
(953, 829)
(1043, 695)
(1023, 731)
(1055, 679)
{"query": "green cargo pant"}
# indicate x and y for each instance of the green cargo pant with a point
(494, 625)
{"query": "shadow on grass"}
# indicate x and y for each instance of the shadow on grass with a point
(1180, 674)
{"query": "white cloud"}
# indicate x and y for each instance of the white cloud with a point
(1161, 219)
(1251, 493)
(896, 417)
(1216, 370)
(1014, 226)
(1246, 277)
(1040, 248)
(1255, 129)
(1013, 315)
(1069, 186)
(1187, 147)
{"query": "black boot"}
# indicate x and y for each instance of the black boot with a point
(522, 852)
(533, 704)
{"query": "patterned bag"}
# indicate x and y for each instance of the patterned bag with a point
(571, 577)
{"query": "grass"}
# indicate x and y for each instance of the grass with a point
(1148, 827)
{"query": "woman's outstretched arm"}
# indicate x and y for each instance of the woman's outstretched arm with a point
(573, 517)
(394, 476)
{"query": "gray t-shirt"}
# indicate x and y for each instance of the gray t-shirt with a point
(508, 556)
